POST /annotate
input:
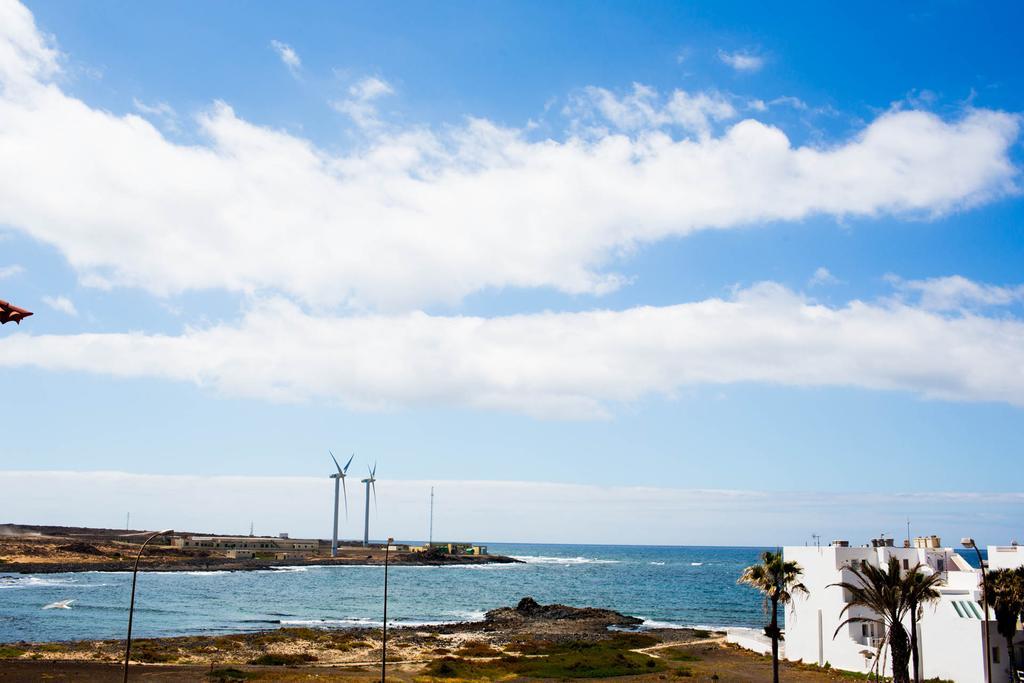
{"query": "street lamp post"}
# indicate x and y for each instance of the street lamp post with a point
(131, 606)
(969, 543)
(384, 639)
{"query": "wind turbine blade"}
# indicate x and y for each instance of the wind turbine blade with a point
(345, 492)
(345, 469)
(373, 472)
(335, 461)
(373, 485)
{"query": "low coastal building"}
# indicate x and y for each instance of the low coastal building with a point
(950, 630)
(244, 547)
(452, 548)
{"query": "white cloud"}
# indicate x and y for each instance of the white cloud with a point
(417, 217)
(161, 111)
(61, 304)
(12, 270)
(26, 54)
(822, 276)
(360, 104)
(643, 109)
(957, 292)
(562, 365)
(288, 56)
(741, 61)
(789, 101)
(492, 511)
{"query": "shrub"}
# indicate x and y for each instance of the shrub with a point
(274, 659)
(230, 675)
(477, 649)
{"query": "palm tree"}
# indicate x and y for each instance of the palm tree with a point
(1006, 598)
(918, 589)
(777, 580)
(881, 591)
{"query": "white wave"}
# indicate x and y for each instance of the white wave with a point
(32, 582)
(657, 564)
(467, 615)
(60, 604)
(696, 564)
(362, 622)
(212, 572)
(654, 623)
(289, 569)
(545, 559)
(337, 623)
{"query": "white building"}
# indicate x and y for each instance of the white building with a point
(1005, 556)
(949, 631)
(258, 545)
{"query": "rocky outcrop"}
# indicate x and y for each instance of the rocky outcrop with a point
(537, 619)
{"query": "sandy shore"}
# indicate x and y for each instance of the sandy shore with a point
(527, 642)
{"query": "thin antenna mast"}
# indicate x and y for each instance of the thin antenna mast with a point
(430, 542)
(127, 521)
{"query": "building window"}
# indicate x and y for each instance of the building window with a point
(906, 564)
(941, 565)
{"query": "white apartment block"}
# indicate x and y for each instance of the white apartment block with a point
(949, 631)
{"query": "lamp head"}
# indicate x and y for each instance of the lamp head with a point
(166, 531)
(967, 542)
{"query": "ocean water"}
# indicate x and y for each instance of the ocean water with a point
(665, 586)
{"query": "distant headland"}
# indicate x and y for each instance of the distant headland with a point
(35, 549)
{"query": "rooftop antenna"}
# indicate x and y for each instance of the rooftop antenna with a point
(339, 476)
(430, 541)
(370, 481)
(817, 540)
(251, 534)
(127, 521)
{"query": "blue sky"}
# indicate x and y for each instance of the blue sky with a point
(720, 247)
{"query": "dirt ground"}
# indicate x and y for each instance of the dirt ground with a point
(713, 659)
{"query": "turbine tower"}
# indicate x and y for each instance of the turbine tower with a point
(370, 482)
(339, 478)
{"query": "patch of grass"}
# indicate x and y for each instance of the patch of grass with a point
(7, 652)
(682, 672)
(152, 655)
(601, 659)
(701, 633)
(50, 647)
(678, 654)
(272, 659)
(477, 649)
(619, 641)
(448, 667)
(230, 674)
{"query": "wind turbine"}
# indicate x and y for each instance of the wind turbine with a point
(339, 478)
(370, 482)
